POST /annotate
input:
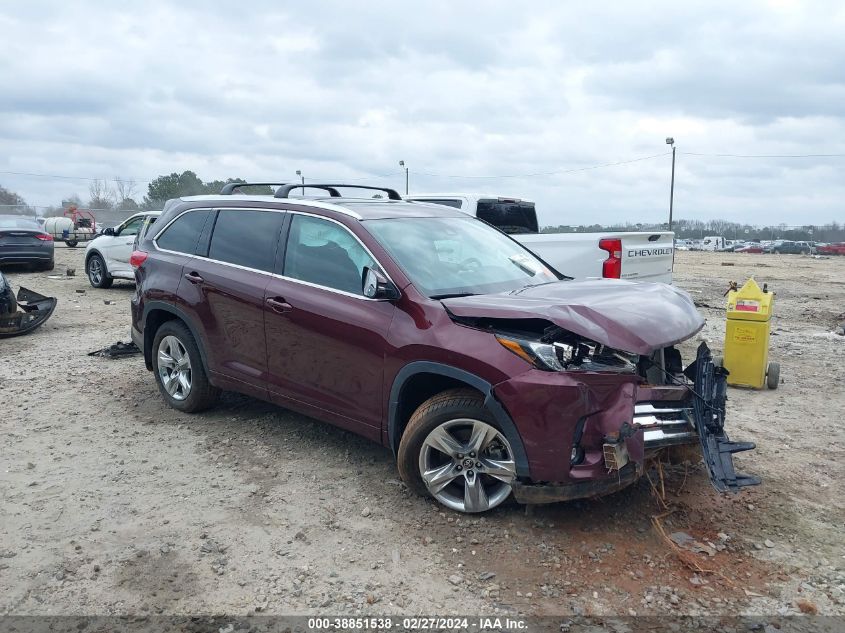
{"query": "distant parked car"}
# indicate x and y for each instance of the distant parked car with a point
(107, 255)
(831, 249)
(24, 241)
(750, 247)
(787, 247)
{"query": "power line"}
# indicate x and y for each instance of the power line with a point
(764, 155)
(552, 173)
(23, 173)
(459, 176)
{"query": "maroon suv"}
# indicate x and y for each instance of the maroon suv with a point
(486, 372)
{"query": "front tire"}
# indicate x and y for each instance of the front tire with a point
(98, 274)
(453, 451)
(179, 370)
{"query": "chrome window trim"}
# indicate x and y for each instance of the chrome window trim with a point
(264, 272)
(308, 202)
(167, 226)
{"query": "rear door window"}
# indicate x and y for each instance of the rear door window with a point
(246, 238)
(181, 236)
(325, 253)
(510, 216)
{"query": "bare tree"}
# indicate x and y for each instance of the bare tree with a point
(102, 196)
(125, 191)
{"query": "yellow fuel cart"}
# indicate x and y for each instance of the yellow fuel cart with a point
(747, 337)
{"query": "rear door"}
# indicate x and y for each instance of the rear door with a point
(325, 341)
(223, 286)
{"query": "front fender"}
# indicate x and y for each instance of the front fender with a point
(490, 402)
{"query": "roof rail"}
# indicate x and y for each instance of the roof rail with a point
(284, 190)
(229, 188)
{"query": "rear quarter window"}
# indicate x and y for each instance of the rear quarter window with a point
(182, 235)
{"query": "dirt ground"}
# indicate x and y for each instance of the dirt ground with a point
(113, 503)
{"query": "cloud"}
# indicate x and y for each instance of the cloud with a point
(346, 91)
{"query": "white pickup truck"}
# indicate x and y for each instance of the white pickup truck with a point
(636, 256)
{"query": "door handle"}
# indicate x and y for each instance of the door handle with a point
(194, 278)
(278, 304)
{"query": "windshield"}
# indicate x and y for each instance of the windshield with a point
(446, 257)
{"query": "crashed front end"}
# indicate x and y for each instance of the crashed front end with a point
(608, 390)
(23, 314)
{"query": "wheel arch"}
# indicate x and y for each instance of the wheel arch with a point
(93, 252)
(156, 314)
(418, 381)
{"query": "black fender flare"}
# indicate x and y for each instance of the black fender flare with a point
(92, 252)
(490, 403)
(179, 314)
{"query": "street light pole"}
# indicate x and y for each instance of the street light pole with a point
(671, 141)
(302, 179)
(402, 164)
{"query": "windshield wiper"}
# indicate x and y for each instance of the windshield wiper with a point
(453, 295)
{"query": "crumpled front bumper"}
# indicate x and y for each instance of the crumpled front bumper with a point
(551, 493)
(610, 417)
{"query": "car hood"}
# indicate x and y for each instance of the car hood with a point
(631, 317)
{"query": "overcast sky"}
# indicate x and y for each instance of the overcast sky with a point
(345, 90)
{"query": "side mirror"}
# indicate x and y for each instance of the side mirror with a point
(377, 286)
(108, 231)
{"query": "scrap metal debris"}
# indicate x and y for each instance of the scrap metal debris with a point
(24, 314)
(118, 350)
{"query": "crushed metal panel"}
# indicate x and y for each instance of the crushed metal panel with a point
(709, 413)
(633, 317)
(118, 350)
(29, 312)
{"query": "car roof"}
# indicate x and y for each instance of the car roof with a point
(358, 208)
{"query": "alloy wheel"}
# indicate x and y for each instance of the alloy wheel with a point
(174, 367)
(95, 271)
(467, 465)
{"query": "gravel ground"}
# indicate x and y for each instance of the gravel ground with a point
(116, 504)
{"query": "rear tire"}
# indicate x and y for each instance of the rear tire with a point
(467, 461)
(98, 274)
(773, 375)
(179, 371)
(47, 266)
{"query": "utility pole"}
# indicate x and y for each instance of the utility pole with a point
(671, 141)
(402, 164)
(302, 180)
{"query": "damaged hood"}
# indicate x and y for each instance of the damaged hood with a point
(631, 317)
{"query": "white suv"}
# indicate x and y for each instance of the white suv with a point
(107, 256)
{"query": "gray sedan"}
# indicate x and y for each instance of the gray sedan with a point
(23, 241)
